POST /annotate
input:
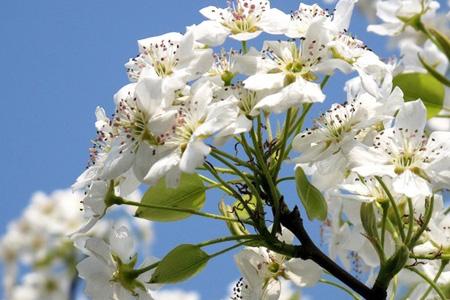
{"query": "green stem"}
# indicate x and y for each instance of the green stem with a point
(283, 143)
(428, 214)
(324, 81)
(234, 193)
(237, 171)
(273, 190)
(227, 249)
(385, 208)
(250, 185)
(348, 291)
(394, 206)
(235, 159)
(244, 47)
(431, 257)
(429, 281)
(298, 125)
(218, 170)
(228, 238)
(179, 209)
(285, 179)
(436, 278)
(137, 272)
(410, 220)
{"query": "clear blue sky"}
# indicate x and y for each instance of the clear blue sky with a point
(60, 59)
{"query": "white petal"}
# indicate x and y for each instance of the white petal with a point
(122, 244)
(329, 65)
(264, 81)
(274, 21)
(386, 28)
(211, 12)
(194, 156)
(343, 14)
(411, 185)
(303, 272)
(210, 33)
(412, 115)
(149, 94)
(272, 291)
(162, 167)
(245, 36)
(120, 159)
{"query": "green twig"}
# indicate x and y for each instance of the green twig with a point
(429, 281)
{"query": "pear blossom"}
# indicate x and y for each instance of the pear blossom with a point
(262, 270)
(396, 14)
(105, 269)
(242, 20)
(173, 58)
(306, 15)
(95, 204)
(142, 122)
(342, 233)
(288, 70)
(337, 130)
(366, 189)
(198, 118)
(98, 152)
(375, 76)
(416, 163)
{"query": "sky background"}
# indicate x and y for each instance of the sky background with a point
(60, 59)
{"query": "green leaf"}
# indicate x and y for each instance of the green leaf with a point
(191, 194)
(180, 264)
(312, 199)
(442, 40)
(433, 72)
(422, 86)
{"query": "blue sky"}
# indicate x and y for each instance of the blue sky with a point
(60, 59)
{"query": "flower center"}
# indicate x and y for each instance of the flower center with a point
(244, 16)
(130, 118)
(162, 56)
(338, 121)
(186, 124)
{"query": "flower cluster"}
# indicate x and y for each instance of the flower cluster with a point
(369, 167)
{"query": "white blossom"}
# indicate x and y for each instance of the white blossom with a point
(395, 14)
(242, 20)
(416, 162)
(262, 270)
(105, 269)
(198, 118)
(172, 58)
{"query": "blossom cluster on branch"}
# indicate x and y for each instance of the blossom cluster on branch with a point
(373, 168)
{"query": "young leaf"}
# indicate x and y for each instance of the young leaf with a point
(191, 193)
(180, 264)
(369, 220)
(422, 86)
(234, 227)
(312, 199)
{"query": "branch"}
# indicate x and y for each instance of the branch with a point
(308, 250)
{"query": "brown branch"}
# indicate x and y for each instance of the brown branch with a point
(308, 250)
